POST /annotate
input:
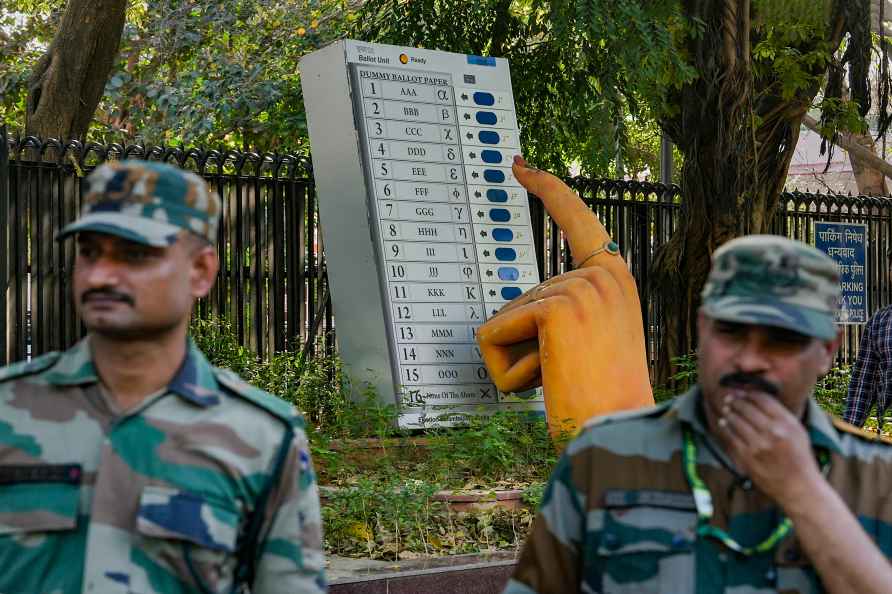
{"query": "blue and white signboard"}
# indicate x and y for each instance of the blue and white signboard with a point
(846, 243)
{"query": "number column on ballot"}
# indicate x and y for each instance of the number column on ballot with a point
(430, 258)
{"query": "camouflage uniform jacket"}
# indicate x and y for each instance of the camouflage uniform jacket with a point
(155, 499)
(618, 515)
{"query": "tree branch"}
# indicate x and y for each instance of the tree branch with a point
(847, 142)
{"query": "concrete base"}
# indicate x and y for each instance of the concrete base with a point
(467, 574)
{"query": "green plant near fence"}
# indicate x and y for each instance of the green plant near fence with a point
(400, 520)
(830, 391)
(316, 385)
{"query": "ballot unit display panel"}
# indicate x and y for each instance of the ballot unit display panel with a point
(449, 223)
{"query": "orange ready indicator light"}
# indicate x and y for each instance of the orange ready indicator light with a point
(404, 58)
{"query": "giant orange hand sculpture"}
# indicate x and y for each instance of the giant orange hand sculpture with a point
(578, 335)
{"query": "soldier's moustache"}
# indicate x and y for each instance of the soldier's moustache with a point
(106, 294)
(742, 379)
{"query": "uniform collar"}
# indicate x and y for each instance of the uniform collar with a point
(820, 428)
(194, 381)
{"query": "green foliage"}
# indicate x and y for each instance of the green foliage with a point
(218, 72)
(533, 495)
(583, 73)
(216, 338)
(786, 55)
(779, 13)
(212, 73)
(591, 78)
(831, 390)
(505, 446)
(317, 386)
(840, 114)
(26, 28)
(380, 519)
(382, 504)
(401, 520)
(226, 73)
(684, 377)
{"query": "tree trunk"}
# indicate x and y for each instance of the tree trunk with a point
(870, 181)
(733, 171)
(68, 80)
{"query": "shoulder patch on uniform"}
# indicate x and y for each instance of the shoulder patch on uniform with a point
(628, 415)
(859, 432)
(33, 366)
(268, 402)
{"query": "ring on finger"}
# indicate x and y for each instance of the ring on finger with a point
(536, 291)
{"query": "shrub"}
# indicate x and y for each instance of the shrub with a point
(831, 390)
(215, 337)
(317, 386)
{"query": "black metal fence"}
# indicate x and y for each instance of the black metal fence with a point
(797, 221)
(272, 284)
(6, 255)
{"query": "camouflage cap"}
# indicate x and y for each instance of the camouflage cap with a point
(773, 281)
(146, 202)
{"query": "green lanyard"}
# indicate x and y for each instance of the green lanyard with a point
(703, 503)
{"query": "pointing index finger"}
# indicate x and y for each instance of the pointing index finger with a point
(584, 231)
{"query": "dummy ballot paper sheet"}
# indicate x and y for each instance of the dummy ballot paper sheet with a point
(434, 236)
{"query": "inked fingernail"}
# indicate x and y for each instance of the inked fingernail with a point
(518, 160)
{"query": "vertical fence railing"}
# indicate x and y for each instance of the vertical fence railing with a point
(6, 254)
(268, 245)
(273, 287)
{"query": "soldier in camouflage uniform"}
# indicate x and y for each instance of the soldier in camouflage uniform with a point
(128, 463)
(743, 484)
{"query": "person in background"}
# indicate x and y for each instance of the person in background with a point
(871, 381)
(128, 463)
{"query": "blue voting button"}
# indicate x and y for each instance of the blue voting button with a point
(490, 156)
(494, 176)
(496, 195)
(502, 234)
(488, 137)
(508, 273)
(487, 118)
(500, 215)
(506, 254)
(509, 293)
(481, 98)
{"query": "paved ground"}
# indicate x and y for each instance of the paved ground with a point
(468, 574)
